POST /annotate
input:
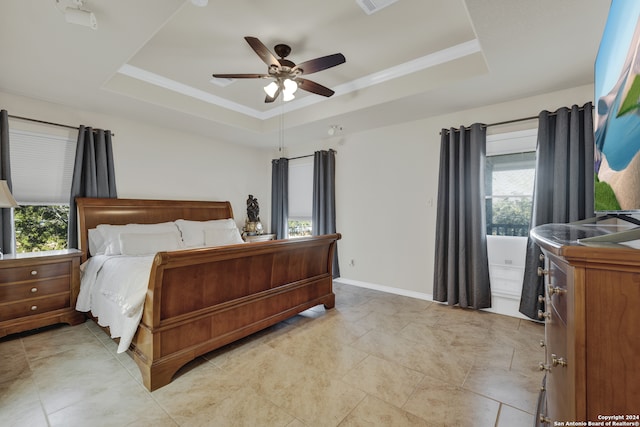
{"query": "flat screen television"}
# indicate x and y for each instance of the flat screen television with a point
(617, 112)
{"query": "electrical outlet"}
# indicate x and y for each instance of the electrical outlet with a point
(352, 262)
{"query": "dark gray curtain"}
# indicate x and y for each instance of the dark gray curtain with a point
(563, 189)
(7, 234)
(93, 173)
(461, 273)
(280, 197)
(323, 214)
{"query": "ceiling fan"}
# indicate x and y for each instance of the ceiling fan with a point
(285, 73)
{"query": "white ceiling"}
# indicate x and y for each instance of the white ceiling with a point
(152, 59)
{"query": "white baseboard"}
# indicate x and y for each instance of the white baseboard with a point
(387, 289)
(506, 306)
(500, 304)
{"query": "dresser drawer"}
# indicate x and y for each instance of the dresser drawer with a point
(24, 290)
(556, 286)
(34, 306)
(19, 274)
(560, 387)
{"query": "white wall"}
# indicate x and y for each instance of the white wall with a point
(157, 163)
(387, 183)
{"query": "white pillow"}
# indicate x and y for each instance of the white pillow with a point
(222, 236)
(149, 243)
(111, 233)
(193, 231)
(97, 244)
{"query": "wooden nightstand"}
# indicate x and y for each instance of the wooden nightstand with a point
(39, 289)
(259, 238)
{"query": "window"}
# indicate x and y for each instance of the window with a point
(41, 174)
(300, 196)
(41, 228)
(509, 180)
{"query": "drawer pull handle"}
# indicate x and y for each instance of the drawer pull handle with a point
(544, 419)
(34, 307)
(34, 290)
(541, 257)
(544, 314)
(34, 272)
(542, 271)
(556, 290)
(544, 367)
(541, 299)
(542, 343)
(558, 361)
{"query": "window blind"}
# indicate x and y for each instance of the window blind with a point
(301, 188)
(41, 167)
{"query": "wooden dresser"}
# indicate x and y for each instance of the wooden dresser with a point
(39, 289)
(592, 329)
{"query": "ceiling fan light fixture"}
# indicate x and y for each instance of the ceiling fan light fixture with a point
(271, 89)
(290, 86)
(288, 96)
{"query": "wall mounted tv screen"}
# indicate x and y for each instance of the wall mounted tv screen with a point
(617, 121)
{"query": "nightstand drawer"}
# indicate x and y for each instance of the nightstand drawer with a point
(33, 289)
(34, 306)
(18, 274)
(39, 289)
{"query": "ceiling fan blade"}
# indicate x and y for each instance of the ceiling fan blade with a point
(241, 76)
(314, 87)
(322, 63)
(263, 52)
(269, 99)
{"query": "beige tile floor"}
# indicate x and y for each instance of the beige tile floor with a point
(375, 360)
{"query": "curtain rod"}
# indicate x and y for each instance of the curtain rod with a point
(47, 123)
(524, 119)
(507, 122)
(308, 155)
(299, 157)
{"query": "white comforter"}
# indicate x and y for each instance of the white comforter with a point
(113, 288)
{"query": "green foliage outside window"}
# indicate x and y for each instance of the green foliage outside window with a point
(509, 216)
(512, 210)
(299, 228)
(41, 228)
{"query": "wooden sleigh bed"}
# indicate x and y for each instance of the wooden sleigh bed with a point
(201, 299)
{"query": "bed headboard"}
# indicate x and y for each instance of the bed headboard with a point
(95, 211)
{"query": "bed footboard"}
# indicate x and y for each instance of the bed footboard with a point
(201, 299)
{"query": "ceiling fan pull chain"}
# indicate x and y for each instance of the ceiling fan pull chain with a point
(281, 137)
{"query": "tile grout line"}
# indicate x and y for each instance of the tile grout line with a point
(122, 366)
(35, 384)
